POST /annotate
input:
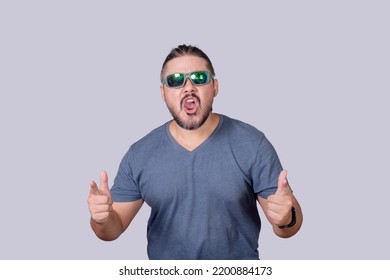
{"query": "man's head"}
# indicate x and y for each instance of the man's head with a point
(188, 86)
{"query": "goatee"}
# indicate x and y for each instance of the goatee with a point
(191, 124)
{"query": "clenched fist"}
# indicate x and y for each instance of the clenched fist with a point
(280, 203)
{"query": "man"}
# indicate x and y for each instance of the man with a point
(202, 174)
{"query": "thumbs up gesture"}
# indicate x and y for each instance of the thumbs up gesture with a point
(99, 200)
(280, 203)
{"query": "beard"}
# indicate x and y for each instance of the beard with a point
(191, 122)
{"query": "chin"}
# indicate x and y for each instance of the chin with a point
(191, 122)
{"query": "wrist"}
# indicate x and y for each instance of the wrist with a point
(293, 220)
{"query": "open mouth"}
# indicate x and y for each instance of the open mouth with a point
(190, 105)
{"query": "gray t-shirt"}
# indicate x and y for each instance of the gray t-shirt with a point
(203, 202)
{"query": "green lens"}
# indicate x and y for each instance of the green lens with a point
(175, 80)
(200, 77)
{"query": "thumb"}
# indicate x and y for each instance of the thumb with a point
(104, 189)
(283, 187)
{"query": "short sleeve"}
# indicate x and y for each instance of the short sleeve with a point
(125, 189)
(265, 170)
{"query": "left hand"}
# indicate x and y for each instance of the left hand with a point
(280, 203)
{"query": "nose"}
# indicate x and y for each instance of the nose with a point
(188, 86)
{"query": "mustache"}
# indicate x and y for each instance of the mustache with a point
(189, 95)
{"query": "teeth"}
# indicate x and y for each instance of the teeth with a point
(190, 100)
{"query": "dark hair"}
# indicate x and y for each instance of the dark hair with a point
(183, 50)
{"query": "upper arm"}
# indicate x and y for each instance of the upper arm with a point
(126, 211)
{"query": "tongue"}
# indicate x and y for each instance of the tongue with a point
(190, 107)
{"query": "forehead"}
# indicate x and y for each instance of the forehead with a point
(186, 64)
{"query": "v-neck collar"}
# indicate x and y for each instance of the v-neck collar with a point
(204, 143)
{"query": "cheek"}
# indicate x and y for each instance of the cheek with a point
(208, 99)
(171, 101)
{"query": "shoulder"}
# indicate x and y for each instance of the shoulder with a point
(151, 138)
(149, 143)
(242, 131)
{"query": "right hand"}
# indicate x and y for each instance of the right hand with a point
(99, 200)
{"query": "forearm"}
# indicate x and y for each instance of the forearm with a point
(288, 232)
(110, 229)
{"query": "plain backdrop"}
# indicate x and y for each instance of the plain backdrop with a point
(79, 83)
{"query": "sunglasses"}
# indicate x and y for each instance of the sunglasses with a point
(197, 78)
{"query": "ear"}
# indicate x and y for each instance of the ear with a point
(162, 90)
(215, 84)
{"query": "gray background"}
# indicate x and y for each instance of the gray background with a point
(79, 82)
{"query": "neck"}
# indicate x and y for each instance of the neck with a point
(190, 139)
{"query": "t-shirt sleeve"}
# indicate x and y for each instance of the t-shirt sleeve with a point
(125, 189)
(266, 169)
